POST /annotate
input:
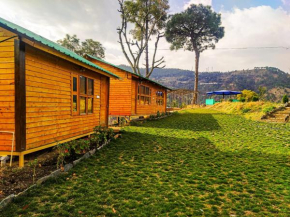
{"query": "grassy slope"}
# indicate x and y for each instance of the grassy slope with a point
(197, 162)
(251, 110)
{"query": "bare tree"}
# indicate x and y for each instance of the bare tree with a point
(148, 18)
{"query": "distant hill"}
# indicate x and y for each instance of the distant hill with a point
(276, 81)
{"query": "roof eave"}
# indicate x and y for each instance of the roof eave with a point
(106, 73)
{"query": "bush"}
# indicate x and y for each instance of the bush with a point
(285, 99)
(242, 99)
(255, 99)
(104, 134)
(73, 149)
(248, 96)
(183, 105)
(268, 109)
(246, 110)
(231, 100)
(158, 114)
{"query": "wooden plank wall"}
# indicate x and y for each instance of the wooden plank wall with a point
(120, 90)
(7, 90)
(153, 108)
(48, 94)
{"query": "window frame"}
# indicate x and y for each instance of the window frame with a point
(77, 93)
(160, 98)
(147, 97)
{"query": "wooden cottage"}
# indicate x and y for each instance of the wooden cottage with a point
(132, 94)
(48, 94)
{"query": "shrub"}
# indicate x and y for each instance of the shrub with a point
(248, 96)
(104, 134)
(158, 114)
(285, 99)
(268, 109)
(123, 121)
(183, 105)
(73, 149)
(231, 100)
(255, 99)
(242, 99)
(95, 140)
(246, 110)
(63, 151)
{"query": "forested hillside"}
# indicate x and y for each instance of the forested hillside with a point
(276, 81)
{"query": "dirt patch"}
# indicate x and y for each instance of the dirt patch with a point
(14, 180)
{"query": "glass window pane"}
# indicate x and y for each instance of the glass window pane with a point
(75, 103)
(75, 84)
(83, 85)
(83, 105)
(90, 105)
(90, 87)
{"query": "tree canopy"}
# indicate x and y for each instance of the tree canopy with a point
(89, 46)
(196, 29)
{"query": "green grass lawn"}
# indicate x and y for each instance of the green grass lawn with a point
(195, 163)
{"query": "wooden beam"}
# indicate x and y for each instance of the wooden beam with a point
(20, 96)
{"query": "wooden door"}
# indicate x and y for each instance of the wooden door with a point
(134, 97)
(104, 101)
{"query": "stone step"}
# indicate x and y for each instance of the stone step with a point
(279, 115)
(283, 112)
(274, 121)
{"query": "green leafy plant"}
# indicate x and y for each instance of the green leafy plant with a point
(158, 114)
(248, 96)
(269, 109)
(285, 99)
(33, 164)
(242, 99)
(63, 151)
(94, 141)
(123, 121)
(183, 105)
(246, 110)
(104, 134)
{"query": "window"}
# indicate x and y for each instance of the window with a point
(160, 98)
(82, 95)
(144, 95)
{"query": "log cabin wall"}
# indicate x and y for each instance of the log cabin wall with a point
(7, 89)
(49, 99)
(120, 90)
(152, 108)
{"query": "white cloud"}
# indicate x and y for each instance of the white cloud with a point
(204, 2)
(286, 2)
(253, 27)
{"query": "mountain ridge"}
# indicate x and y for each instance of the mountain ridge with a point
(276, 81)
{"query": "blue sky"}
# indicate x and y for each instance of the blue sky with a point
(228, 5)
(241, 4)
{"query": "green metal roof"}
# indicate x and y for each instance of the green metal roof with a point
(30, 35)
(103, 61)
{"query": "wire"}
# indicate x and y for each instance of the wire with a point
(241, 48)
